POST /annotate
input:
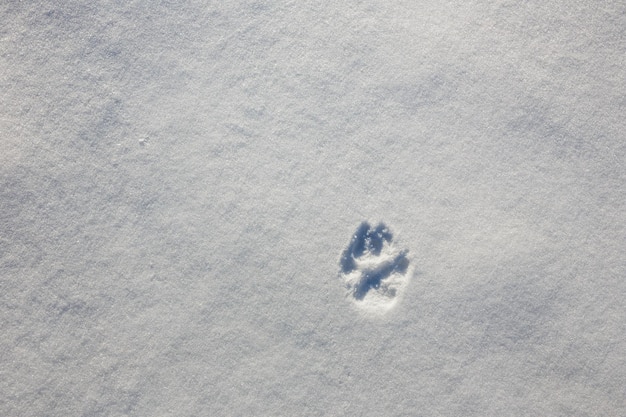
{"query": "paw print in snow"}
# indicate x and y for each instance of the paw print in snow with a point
(373, 269)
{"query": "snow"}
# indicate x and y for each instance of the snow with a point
(180, 181)
(374, 270)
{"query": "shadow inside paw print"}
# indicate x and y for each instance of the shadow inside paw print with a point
(370, 261)
(364, 239)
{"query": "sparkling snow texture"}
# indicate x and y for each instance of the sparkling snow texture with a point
(179, 181)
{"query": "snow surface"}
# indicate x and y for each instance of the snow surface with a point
(179, 180)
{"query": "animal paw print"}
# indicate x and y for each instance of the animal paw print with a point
(373, 269)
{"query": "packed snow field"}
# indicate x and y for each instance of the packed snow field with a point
(402, 208)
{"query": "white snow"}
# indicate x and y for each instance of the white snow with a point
(375, 271)
(179, 181)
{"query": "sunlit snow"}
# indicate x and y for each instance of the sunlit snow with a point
(181, 182)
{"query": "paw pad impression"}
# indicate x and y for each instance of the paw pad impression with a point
(374, 270)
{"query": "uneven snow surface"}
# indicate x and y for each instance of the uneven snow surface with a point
(181, 184)
(374, 271)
